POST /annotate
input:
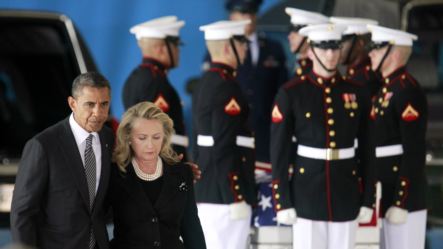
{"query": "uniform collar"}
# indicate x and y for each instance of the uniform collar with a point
(400, 72)
(324, 81)
(364, 64)
(224, 68)
(154, 62)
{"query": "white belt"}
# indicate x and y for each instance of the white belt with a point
(389, 150)
(180, 140)
(325, 154)
(242, 141)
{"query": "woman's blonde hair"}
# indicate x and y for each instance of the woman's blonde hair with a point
(123, 153)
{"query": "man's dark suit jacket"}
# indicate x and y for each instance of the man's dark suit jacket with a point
(139, 223)
(50, 206)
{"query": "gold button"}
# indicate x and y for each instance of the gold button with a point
(403, 183)
(327, 90)
(332, 144)
(387, 80)
(277, 196)
(376, 110)
(352, 114)
(302, 170)
(320, 81)
(235, 178)
(332, 133)
(331, 121)
(243, 159)
(351, 71)
(354, 172)
(380, 100)
(237, 187)
(308, 115)
(328, 100)
(276, 186)
(240, 197)
(385, 90)
(333, 80)
(299, 71)
(382, 113)
(302, 77)
(395, 168)
(303, 62)
(367, 68)
(400, 193)
(397, 203)
(278, 206)
(330, 110)
(403, 77)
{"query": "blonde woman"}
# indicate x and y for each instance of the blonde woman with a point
(151, 191)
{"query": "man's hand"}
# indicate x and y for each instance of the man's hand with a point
(396, 215)
(287, 216)
(365, 215)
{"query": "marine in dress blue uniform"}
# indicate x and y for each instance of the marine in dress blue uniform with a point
(399, 115)
(298, 43)
(158, 40)
(225, 147)
(332, 184)
(356, 39)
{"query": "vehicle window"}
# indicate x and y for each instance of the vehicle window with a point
(37, 67)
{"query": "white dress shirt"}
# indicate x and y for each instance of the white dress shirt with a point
(80, 136)
(253, 47)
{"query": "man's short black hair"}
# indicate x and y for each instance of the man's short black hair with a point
(91, 79)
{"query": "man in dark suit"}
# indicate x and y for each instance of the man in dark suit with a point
(63, 175)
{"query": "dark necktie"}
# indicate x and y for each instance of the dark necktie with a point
(90, 177)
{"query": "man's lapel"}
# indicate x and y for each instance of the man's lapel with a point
(74, 161)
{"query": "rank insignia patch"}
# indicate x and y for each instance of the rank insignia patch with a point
(410, 114)
(277, 117)
(161, 103)
(232, 108)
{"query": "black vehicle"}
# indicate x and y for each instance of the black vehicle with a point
(40, 55)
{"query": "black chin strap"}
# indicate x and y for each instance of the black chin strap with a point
(231, 41)
(171, 58)
(383, 59)
(348, 56)
(321, 63)
(300, 45)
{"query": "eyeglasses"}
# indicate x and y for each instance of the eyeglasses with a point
(174, 40)
(376, 45)
(295, 28)
(335, 44)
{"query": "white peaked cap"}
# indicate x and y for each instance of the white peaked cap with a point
(158, 28)
(304, 17)
(224, 30)
(323, 32)
(357, 26)
(394, 36)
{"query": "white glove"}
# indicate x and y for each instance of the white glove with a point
(365, 215)
(287, 216)
(239, 210)
(396, 215)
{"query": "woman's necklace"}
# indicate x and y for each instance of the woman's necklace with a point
(148, 177)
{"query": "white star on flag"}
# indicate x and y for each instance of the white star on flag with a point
(265, 202)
